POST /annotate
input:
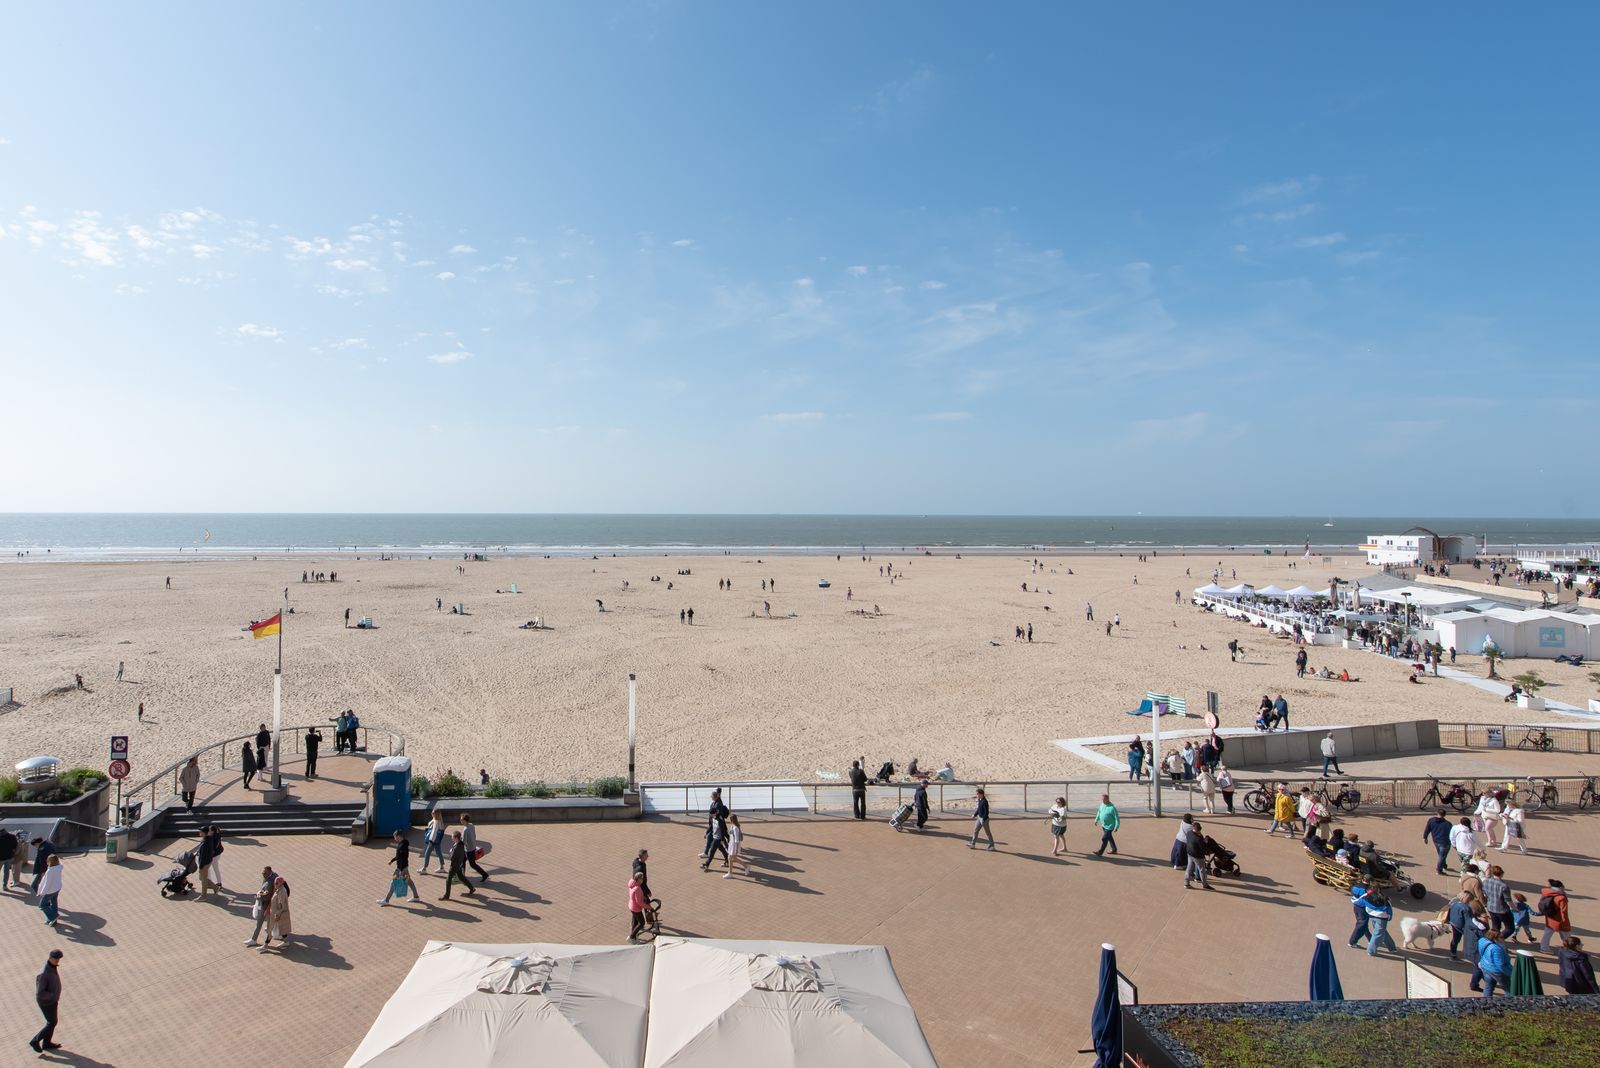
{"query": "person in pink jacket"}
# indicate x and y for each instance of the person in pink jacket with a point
(636, 905)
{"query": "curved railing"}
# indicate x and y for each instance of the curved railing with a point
(394, 743)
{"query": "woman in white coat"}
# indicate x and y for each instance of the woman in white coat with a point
(1514, 831)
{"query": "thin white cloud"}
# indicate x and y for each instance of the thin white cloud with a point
(351, 265)
(1241, 249)
(900, 94)
(1350, 259)
(350, 343)
(858, 271)
(684, 242)
(1187, 427)
(461, 250)
(1320, 241)
(445, 276)
(255, 330)
(795, 417)
(933, 283)
(457, 356)
(1288, 189)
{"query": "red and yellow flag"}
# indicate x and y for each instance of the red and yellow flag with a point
(266, 628)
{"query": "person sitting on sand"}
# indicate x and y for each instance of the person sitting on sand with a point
(946, 773)
(911, 768)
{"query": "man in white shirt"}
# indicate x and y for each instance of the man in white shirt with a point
(1463, 841)
(1330, 755)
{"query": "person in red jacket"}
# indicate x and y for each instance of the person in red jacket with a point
(636, 906)
(1553, 907)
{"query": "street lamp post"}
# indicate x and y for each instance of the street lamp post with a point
(633, 725)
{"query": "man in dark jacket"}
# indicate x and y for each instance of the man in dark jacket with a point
(858, 789)
(402, 868)
(716, 834)
(8, 859)
(980, 822)
(42, 849)
(641, 871)
(919, 801)
(47, 992)
(1438, 832)
(458, 868)
(313, 740)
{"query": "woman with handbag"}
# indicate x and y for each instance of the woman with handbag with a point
(433, 841)
(402, 870)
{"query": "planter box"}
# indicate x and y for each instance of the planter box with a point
(1531, 701)
(530, 809)
(88, 809)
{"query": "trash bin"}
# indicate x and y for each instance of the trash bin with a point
(116, 845)
(391, 795)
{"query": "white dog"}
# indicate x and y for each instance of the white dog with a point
(1412, 929)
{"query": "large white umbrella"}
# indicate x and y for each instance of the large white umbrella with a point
(487, 1006)
(779, 1005)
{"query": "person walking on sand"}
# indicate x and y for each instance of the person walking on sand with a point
(469, 838)
(247, 761)
(735, 849)
(1058, 827)
(50, 890)
(980, 822)
(858, 790)
(458, 867)
(189, 780)
(1135, 759)
(141, 711)
(433, 837)
(1107, 819)
(121, 664)
(402, 869)
(47, 995)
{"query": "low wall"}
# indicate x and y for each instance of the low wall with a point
(88, 809)
(530, 809)
(1279, 748)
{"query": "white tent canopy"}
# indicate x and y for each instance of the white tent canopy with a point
(1272, 591)
(1307, 591)
(465, 1005)
(1211, 589)
(779, 1005)
(1244, 589)
(1423, 597)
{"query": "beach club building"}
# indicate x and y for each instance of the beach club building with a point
(1522, 632)
(1417, 546)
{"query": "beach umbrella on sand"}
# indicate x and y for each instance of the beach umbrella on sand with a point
(1525, 976)
(1324, 973)
(1105, 1025)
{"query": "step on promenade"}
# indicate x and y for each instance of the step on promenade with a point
(997, 951)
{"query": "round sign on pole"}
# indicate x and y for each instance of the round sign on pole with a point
(118, 769)
(1212, 721)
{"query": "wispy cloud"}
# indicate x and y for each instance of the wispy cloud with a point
(933, 283)
(456, 356)
(795, 417)
(1177, 428)
(898, 95)
(445, 276)
(1288, 189)
(461, 250)
(857, 271)
(1320, 240)
(350, 343)
(256, 330)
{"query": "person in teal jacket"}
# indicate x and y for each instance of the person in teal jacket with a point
(1493, 962)
(1106, 818)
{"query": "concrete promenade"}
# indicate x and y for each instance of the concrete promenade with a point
(997, 950)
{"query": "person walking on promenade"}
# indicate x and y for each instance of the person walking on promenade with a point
(10, 863)
(1283, 811)
(1459, 916)
(469, 839)
(1280, 708)
(1225, 784)
(980, 822)
(858, 790)
(1497, 901)
(1196, 868)
(205, 853)
(1577, 971)
(1330, 755)
(1515, 829)
(402, 868)
(1522, 916)
(263, 746)
(247, 761)
(47, 995)
(1553, 907)
(1058, 827)
(458, 867)
(1135, 759)
(313, 741)
(637, 903)
(641, 871)
(433, 841)
(1379, 913)
(1358, 905)
(189, 782)
(735, 849)
(1493, 963)
(43, 850)
(1463, 841)
(50, 890)
(1208, 790)
(1438, 832)
(1107, 819)
(277, 913)
(261, 905)
(716, 814)
(919, 802)
(1179, 854)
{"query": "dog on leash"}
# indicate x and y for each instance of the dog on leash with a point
(1412, 929)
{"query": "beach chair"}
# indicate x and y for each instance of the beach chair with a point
(1145, 708)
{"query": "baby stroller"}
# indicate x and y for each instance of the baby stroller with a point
(176, 882)
(1221, 860)
(885, 773)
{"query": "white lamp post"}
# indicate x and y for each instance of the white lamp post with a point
(633, 725)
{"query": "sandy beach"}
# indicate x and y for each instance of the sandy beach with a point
(938, 674)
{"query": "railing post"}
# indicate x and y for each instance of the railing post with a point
(1024, 798)
(772, 799)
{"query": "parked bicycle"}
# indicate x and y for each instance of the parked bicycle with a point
(1456, 795)
(1537, 738)
(1588, 795)
(1537, 793)
(1347, 799)
(1261, 798)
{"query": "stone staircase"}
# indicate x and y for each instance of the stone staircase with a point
(250, 820)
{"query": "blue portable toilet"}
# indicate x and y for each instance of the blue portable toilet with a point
(391, 795)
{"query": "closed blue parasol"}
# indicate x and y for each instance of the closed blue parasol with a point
(1324, 973)
(1106, 1024)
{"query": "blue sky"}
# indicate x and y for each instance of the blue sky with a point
(1043, 258)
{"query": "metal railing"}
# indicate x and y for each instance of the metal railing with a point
(394, 743)
(1519, 736)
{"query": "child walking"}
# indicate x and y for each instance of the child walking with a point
(735, 849)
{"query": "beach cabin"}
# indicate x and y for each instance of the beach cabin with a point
(1417, 546)
(1531, 633)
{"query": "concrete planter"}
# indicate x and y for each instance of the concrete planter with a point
(89, 809)
(530, 809)
(1530, 701)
